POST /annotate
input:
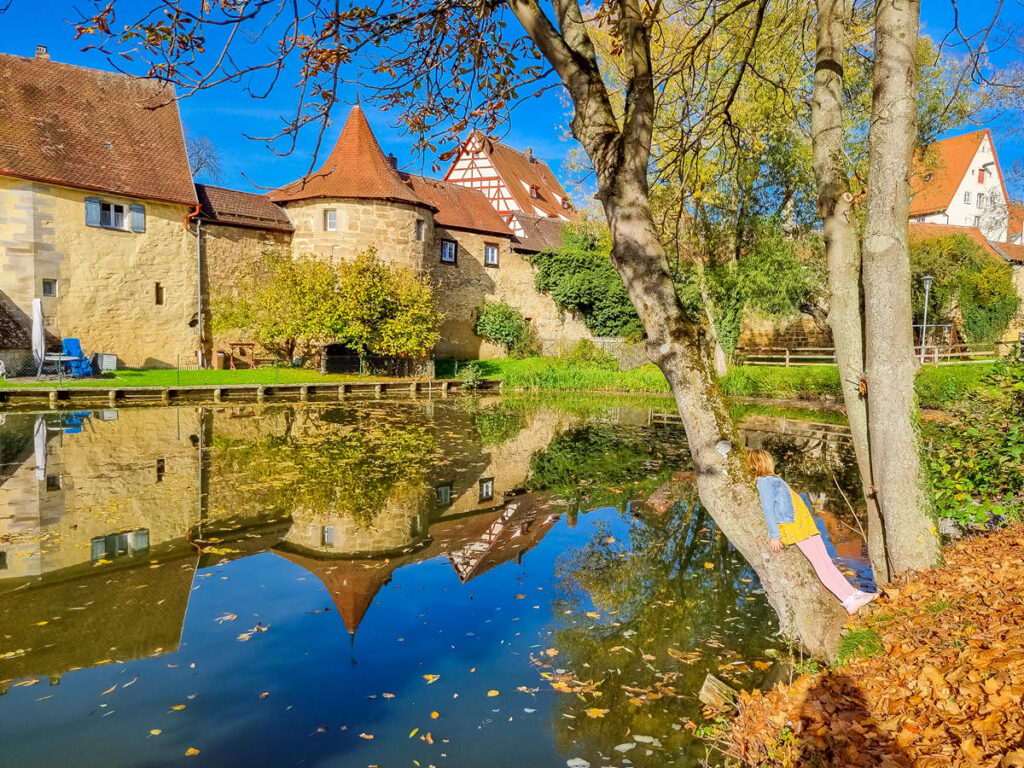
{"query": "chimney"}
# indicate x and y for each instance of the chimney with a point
(529, 155)
(393, 160)
(42, 53)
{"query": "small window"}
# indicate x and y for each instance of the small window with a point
(567, 205)
(981, 201)
(534, 191)
(112, 216)
(977, 221)
(49, 288)
(444, 494)
(331, 220)
(161, 467)
(3, 561)
(158, 294)
(53, 483)
(449, 252)
(327, 536)
(138, 218)
(487, 489)
(420, 228)
(981, 175)
(490, 255)
(967, 197)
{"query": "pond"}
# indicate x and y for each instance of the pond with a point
(455, 582)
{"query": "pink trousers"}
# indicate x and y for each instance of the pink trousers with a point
(833, 579)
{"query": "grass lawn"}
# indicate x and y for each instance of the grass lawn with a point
(937, 386)
(175, 378)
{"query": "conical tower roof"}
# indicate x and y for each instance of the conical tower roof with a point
(356, 168)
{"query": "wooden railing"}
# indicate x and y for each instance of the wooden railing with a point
(934, 354)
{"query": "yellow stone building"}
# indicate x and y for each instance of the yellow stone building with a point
(100, 219)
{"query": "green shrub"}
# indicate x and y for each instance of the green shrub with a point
(503, 324)
(976, 459)
(471, 376)
(586, 352)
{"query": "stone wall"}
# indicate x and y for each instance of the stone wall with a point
(106, 279)
(390, 227)
(1017, 324)
(462, 288)
(230, 253)
(759, 331)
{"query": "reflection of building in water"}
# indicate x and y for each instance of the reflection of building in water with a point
(95, 617)
(474, 544)
(85, 487)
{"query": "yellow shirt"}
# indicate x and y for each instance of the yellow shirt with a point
(802, 527)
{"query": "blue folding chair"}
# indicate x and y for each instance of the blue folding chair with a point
(79, 364)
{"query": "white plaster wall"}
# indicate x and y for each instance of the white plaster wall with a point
(992, 218)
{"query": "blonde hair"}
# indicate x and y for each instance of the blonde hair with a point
(762, 462)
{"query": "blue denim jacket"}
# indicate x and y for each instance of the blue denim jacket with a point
(776, 503)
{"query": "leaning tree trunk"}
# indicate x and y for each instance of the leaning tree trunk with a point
(724, 482)
(910, 535)
(842, 249)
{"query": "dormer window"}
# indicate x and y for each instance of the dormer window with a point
(534, 191)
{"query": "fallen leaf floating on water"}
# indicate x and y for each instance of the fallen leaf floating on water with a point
(26, 682)
(109, 690)
(593, 614)
(434, 715)
(367, 736)
(388, 695)
(191, 752)
(264, 695)
(155, 732)
(431, 678)
(177, 707)
(492, 693)
(413, 732)
(595, 712)
(709, 566)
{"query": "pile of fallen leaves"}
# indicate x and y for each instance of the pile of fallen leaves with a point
(946, 691)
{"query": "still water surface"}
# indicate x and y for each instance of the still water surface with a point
(464, 582)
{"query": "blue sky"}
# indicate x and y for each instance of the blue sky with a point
(226, 114)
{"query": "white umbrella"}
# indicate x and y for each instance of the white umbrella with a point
(40, 436)
(38, 332)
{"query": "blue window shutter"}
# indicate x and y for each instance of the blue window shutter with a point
(138, 218)
(92, 211)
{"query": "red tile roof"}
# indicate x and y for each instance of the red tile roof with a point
(87, 129)
(459, 207)
(923, 231)
(520, 171)
(540, 233)
(241, 209)
(1015, 222)
(939, 168)
(355, 169)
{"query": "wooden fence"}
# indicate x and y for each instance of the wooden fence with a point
(933, 354)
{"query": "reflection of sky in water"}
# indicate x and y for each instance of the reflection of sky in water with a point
(462, 586)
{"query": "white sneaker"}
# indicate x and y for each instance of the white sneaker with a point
(858, 600)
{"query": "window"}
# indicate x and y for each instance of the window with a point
(158, 294)
(114, 215)
(331, 220)
(3, 561)
(967, 197)
(420, 228)
(49, 288)
(567, 205)
(487, 489)
(327, 536)
(53, 483)
(927, 177)
(161, 467)
(534, 191)
(981, 175)
(977, 221)
(119, 545)
(444, 494)
(981, 201)
(449, 252)
(490, 255)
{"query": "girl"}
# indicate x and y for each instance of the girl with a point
(790, 522)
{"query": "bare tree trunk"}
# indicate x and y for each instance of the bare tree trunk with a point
(718, 354)
(910, 535)
(842, 248)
